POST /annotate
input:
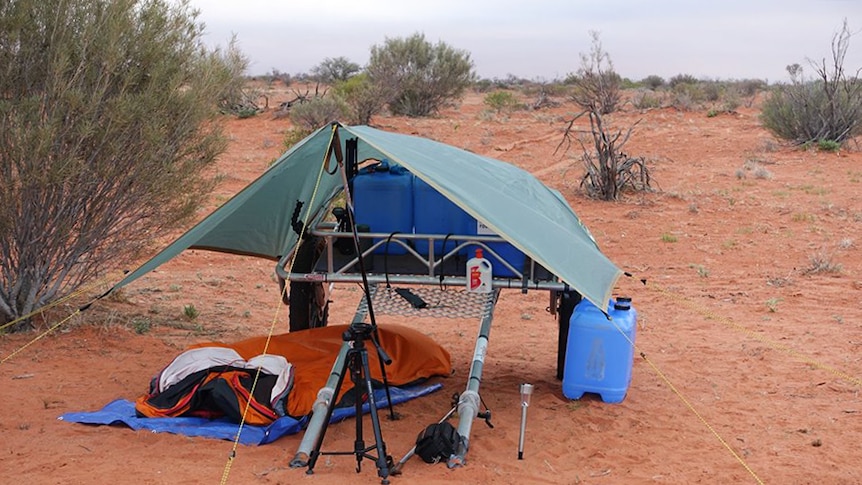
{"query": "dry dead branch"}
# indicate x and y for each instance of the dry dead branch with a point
(608, 170)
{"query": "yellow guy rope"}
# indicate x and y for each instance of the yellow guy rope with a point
(46, 332)
(700, 417)
(54, 303)
(764, 340)
(689, 405)
(232, 454)
(760, 338)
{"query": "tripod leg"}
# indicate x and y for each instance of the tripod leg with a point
(382, 465)
(359, 443)
(315, 452)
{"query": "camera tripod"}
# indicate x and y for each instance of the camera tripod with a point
(356, 363)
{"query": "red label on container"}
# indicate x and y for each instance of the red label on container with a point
(475, 278)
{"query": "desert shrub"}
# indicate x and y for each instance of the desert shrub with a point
(682, 79)
(627, 83)
(418, 78)
(596, 84)
(547, 89)
(722, 97)
(501, 101)
(712, 91)
(554, 88)
(827, 108)
(333, 70)
(239, 97)
(646, 99)
(762, 173)
(241, 101)
(730, 99)
(190, 311)
(686, 97)
(653, 81)
(828, 145)
(543, 96)
(483, 85)
(317, 111)
(511, 81)
(750, 87)
(747, 90)
(108, 126)
(608, 171)
(304, 77)
(822, 263)
(283, 77)
(362, 98)
(295, 135)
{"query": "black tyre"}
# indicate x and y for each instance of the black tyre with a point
(308, 302)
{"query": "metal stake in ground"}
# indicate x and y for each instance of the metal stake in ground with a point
(526, 392)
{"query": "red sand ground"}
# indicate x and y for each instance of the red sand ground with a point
(752, 359)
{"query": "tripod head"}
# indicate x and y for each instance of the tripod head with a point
(358, 333)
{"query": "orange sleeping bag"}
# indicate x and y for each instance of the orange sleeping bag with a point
(312, 353)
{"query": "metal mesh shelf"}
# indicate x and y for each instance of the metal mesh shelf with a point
(446, 302)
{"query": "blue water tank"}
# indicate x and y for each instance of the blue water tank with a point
(509, 253)
(383, 201)
(433, 213)
(600, 351)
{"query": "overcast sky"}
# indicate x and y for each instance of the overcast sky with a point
(542, 39)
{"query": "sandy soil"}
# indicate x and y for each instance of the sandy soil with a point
(748, 342)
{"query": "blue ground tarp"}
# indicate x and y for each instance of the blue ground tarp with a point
(122, 412)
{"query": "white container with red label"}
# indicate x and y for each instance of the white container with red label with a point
(479, 274)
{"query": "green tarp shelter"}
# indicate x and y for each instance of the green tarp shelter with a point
(513, 203)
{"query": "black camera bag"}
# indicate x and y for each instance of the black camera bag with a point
(437, 442)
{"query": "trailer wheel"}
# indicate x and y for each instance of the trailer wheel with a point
(308, 302)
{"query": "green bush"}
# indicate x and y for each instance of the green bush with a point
(730, 99)
(750, 87)
(653, 82)
(687, 96)
(246, 112)
(418, 78)
(317, 111)
(500, 101)
(295, 135)
(483, 85)
(712, 91)
(808, 112)
(682, 79)
(828, 145)
(646, 99)
(108, 132)
(626, 83)
(331, 71)
(362, 98)
(190, 311)
(828, 108)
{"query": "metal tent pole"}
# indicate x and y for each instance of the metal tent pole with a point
(325, 398)
(468, 403)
